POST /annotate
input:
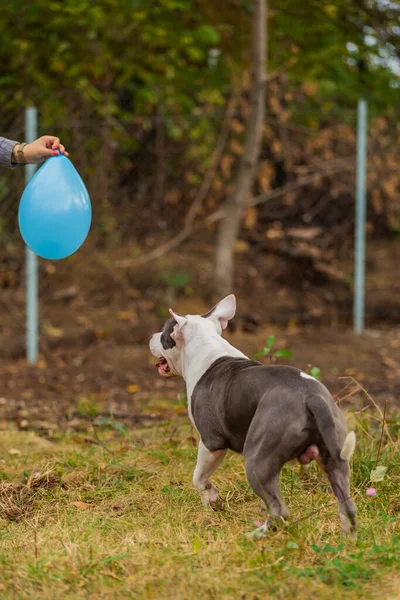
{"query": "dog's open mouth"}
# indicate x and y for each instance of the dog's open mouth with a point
(162, 366)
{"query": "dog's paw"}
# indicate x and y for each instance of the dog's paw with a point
(211, 498)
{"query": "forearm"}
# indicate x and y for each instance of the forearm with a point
(6, 148)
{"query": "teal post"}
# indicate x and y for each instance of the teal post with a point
(32, 305)
(360, 225)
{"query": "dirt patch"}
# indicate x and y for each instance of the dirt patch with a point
(96, 322)
(121, 378)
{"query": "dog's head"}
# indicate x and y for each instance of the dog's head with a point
(167, 345)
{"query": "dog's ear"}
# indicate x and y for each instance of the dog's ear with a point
(177, 333)
(223, 312)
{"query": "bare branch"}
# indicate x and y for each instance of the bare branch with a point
(219, 214)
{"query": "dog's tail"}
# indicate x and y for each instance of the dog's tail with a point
(322, 414)
(348, 447)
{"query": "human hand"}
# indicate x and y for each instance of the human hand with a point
(36, 152)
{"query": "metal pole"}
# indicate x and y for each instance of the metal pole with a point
(32, 320)
(359, 251)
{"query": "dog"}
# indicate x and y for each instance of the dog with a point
(271, 414)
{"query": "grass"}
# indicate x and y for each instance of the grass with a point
(113, 514)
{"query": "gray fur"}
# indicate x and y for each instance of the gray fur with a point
(271, 414)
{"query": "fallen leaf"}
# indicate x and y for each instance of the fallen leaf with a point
(101, 334)
(111, 574)
(378, 474)
(134, 293)
(125, 315)
(54, 332)
(236, 147)
(241, 246)
(389, 362)
(305, 233)
(67, 293)
(14, 452)
(82, 505)
(133, 388)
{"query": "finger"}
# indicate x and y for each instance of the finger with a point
(56, 143)
(62, 149)
(47, 140)
(50, 141)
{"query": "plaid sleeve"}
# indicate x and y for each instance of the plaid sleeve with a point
(6, 147)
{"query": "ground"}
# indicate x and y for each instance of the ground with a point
(110, 512)
(96, 452)
(121, 378)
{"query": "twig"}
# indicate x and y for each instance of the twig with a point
(314, 512)
(342, 390)
(362, 427)
(35, 541)
(374, 403)
(295, 185)
(349, 395)
(383, 427)
(326, 165)
(100, 442)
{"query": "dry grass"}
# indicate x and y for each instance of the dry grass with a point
(118, 518)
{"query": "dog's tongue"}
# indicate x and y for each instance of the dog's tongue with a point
(162, 366)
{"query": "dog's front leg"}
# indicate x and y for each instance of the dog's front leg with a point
(207, 463)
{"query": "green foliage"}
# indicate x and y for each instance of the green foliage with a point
(267, 350)
(343, 48)
(120, 58)
(316, 372)
(177, 280)
(87, 408)
(152, 52)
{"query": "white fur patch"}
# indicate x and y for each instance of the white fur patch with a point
(348, 446)
(307, 376)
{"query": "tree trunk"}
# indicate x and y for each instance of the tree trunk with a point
(235, 205)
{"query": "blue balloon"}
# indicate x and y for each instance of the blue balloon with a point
(55, 212)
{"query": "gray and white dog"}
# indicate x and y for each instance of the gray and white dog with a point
(272, 414)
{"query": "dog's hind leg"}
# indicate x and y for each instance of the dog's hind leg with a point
(207, 463)
(338, 473)
(264, 479)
